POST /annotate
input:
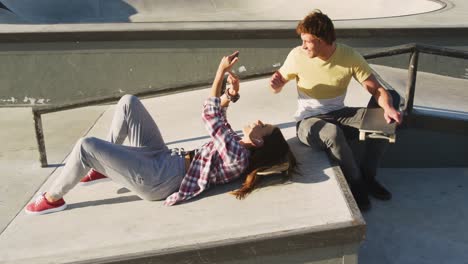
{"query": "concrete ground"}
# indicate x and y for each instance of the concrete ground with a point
(425, 221)
(19, 156)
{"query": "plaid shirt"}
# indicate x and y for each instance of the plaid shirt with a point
(219, 161)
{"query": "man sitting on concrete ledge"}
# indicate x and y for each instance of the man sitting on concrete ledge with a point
(323, 70)
(154, 172)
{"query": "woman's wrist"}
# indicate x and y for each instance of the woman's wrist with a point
(232, 92)
(221, 71)
(233, 97)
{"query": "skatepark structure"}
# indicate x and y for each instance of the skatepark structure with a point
(148, 11)
(65, 65)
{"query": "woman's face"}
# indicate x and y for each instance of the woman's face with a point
(256, 131)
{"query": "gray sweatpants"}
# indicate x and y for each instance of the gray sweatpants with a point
(146, 167)
(333, 132)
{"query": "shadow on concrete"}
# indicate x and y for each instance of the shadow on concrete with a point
(239, 132)
(123, 190)
(311, 163)
(311, 178)
(189, 140)
(272, 180)
(226, 188)
(55, 165)
(425, 222)
(266, 181)
(123, 199)
(58, 12)
(2, 6)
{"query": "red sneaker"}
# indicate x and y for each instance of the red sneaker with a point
(93, 177)
(42, 206)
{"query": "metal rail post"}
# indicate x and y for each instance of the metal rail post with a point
(411, 85)
(40, 138)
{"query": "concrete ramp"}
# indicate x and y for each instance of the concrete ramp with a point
(7, 17)
(114, 11)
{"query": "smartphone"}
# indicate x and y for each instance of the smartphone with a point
(235, 56)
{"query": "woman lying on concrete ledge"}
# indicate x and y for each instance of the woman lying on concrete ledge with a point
(153, 171)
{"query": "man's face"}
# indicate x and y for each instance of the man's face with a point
(310, 44)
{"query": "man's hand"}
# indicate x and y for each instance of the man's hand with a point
(383, 99)
(392, 114)
(277, 82)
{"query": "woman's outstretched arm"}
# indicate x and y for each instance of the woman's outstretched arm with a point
(224, 66)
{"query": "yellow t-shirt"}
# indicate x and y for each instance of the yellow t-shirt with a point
(322, 85)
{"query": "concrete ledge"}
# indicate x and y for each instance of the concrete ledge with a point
(276, 246)
(200, 31)
(310, 218)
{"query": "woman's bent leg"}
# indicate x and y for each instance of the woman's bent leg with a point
(132, 120)
(71, 174)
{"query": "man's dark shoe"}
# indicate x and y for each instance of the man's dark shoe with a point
(363, 202)
(378, 191)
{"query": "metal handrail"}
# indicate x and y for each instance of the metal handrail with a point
(412, 48)
(38, 111)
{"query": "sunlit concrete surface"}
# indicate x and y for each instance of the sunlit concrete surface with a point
(57, 11)
(19, 157)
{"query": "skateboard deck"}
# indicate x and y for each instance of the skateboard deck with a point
(374, 125)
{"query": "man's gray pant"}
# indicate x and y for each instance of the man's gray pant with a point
(146, 167)
(333, 132)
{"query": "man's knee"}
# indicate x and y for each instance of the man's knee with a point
(332, 135)
(320, 133)
(306, 131)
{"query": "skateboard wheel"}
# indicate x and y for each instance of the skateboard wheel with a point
(362, 136)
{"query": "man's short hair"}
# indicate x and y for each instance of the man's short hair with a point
(319, 25)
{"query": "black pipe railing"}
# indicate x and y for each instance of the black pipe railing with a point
(412, 48)
(390, 51)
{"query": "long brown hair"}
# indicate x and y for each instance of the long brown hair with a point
(275, 150)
